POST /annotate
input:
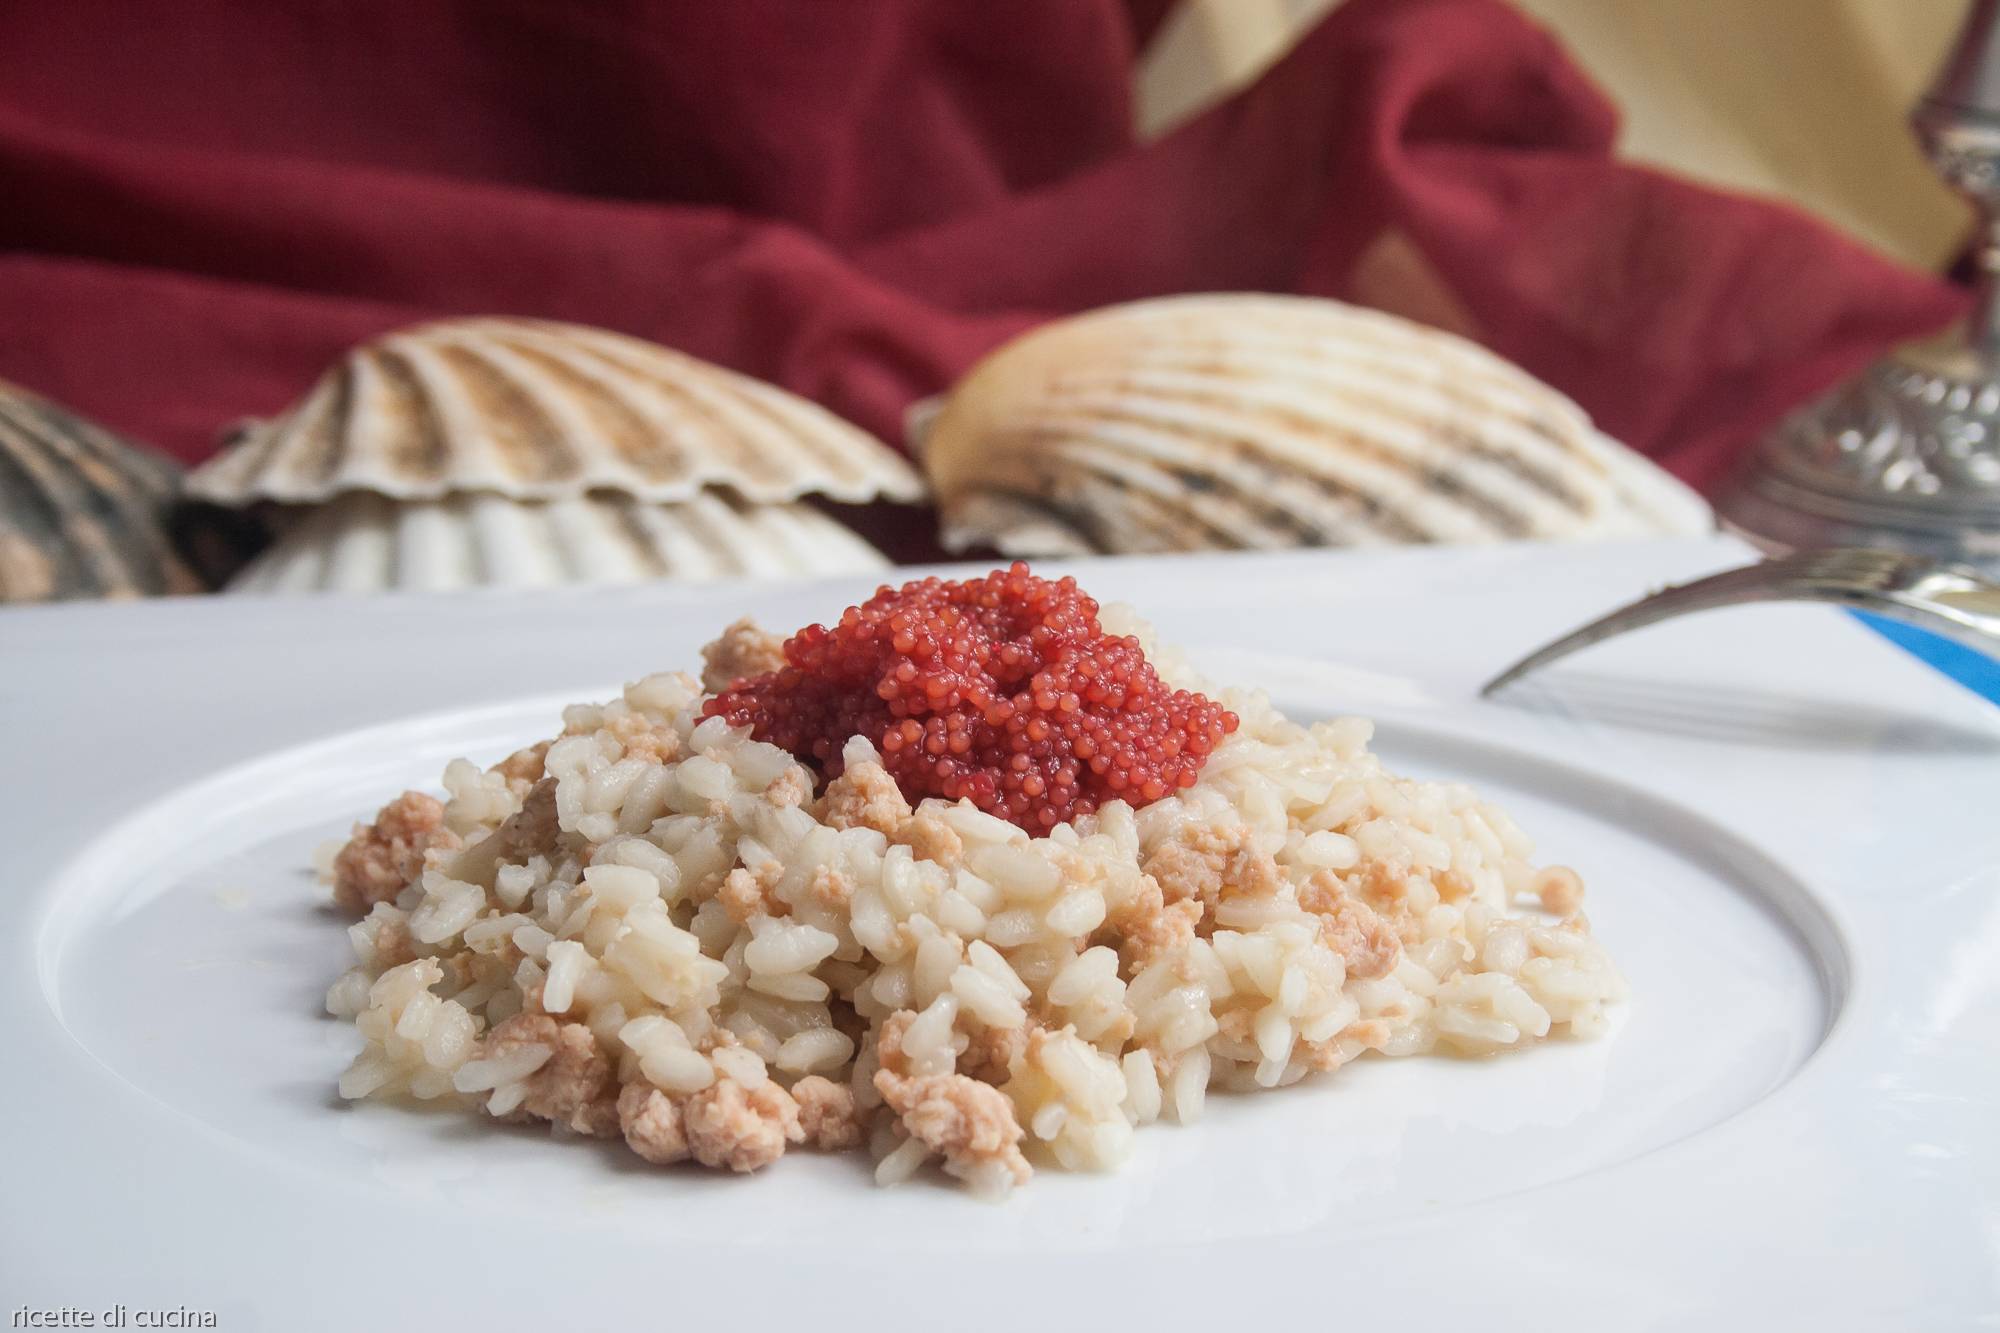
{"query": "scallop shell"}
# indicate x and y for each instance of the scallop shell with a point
(539, 411)
(82, 512)
(1212, 422)
(368, 543)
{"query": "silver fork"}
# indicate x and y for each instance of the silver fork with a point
(1950, 599)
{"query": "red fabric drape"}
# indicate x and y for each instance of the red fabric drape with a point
(202, 204)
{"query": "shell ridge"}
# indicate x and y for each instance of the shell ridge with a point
(1314, 350)
(576, 550)
(75, 470)
(792, 420)
(1367, 464)
(545, 427)
(723, 556)
(217, 478)
(1525, 497)
(672, 542)
(644, 556)
(1334, 514)
(1218, 514)
(642, 440)
(1155, 527)
(404, 373)
(487, 538)
(518, 439)
(675, 380)
(500, 544)
(783, 528)
(1371, 482)
(85, 519)
(537, 409)
(853, 464)
(34, 560)
(734, 420)
(368, 554)
(1424, 400)
(1039, 526)
(1279, 419)
(673, 456)
(331, 415)
(138, 468)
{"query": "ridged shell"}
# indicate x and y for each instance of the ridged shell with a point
(1215, 422)
(536, 410)
(367, 543)
(82, 513)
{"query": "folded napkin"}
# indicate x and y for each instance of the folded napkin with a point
(198, 212)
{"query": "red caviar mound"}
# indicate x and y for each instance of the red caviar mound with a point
(1004, 690)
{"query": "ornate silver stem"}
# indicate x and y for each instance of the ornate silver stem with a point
(1907, 454)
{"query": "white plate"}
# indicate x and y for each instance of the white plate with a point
(1788, 828)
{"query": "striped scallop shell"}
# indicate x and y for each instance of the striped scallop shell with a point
(538, 411)
(82, 513)
(364, 542)
(1214, 422)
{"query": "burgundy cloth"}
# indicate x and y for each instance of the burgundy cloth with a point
(202, 204)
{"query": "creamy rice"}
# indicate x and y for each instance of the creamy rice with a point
(659, 929)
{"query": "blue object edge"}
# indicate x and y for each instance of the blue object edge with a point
(1974, 670)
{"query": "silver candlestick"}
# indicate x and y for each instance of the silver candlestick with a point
(1907, 454)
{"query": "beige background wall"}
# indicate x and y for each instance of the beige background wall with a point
(1802, 100)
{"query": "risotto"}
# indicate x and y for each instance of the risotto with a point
(662, 927)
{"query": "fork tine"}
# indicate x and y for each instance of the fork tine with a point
(1648, 610)
(1946, 598)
